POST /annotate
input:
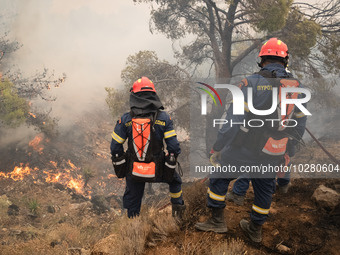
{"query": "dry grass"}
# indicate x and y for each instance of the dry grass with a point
(133, 236)
(230, 247)
(36, 247)
(4, 203)
(195, 197)
(77, 225)
(162, 225)
(198, 243)
(69, 225)
(65, 232)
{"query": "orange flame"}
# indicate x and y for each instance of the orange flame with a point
(111, 176)
(35, 143)
(65, 173)
(34, 116)
(18, 173)
(71, 164)
(54, 163)
(64, 177)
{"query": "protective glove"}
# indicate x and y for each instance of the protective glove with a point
(285, 162)
(215, 157)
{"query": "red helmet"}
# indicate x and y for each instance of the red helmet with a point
(143, 84)
(274, 47)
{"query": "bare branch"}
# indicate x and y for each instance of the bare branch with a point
(246, 52)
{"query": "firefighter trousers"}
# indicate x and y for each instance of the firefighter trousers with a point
(241, 185)
(263, 191)
(263, 185)
(134, 191)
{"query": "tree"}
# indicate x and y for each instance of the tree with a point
(220, 28)
(172, 84)
(226, 32)
(13, 109)
(17, 91)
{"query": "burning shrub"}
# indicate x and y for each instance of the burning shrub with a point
(88, 174)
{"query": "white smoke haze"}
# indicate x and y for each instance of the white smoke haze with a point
(324, 122)
(87, 40)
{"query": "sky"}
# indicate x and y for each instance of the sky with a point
(87, 40)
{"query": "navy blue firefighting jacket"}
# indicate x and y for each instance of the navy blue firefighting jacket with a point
(227, 133)
(163, 130)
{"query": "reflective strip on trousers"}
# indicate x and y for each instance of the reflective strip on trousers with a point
(176, 195)
(260, 210)
(214, 196)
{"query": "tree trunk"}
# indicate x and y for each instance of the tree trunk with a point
(223, 75)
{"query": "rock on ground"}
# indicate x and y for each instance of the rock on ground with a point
(326, 197)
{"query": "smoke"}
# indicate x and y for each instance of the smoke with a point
(325, 120)
(87, 40)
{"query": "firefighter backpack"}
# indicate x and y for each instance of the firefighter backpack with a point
(271, 139)
(143, 147)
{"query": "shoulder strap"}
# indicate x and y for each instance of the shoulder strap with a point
(267, 74)
(272, 74)
(273, 79)
(154, 120)
(155, 147)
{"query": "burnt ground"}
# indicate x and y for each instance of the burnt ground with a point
(295, 220)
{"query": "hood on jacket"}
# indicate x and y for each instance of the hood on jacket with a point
(144, 103)
(278, 68)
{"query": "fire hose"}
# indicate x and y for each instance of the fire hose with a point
(309, 132)
(323, 148)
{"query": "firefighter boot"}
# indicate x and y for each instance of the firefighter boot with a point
(253, 230)
(237, 199)
(215, 223)
(178, 211)
(284, 189)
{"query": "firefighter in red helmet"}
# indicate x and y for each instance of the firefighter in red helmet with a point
(245, 146)
(274, 49)
(145, 127)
